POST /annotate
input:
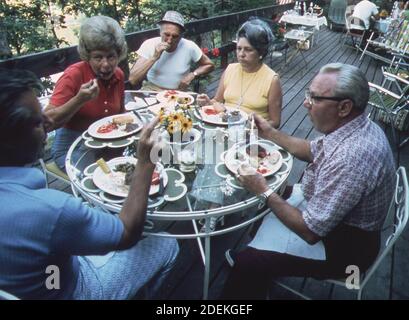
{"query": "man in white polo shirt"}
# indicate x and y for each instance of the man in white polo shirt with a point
(166, 60)
(366, 11)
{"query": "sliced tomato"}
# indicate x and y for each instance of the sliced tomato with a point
(210, 111)
(106, 128)
(262, 170)
(155, 178)
(169, 92)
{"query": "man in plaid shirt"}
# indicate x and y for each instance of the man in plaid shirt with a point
(334, 217)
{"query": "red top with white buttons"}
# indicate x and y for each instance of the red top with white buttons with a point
(110, 100)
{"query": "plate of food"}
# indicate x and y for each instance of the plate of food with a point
(174, 97)
(210, 115)
(114, 177)
(260, 155)
(114, 127)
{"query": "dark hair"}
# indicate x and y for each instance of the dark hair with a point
(258, 33)
(16, 121)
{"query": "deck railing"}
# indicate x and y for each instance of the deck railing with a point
(50, 62)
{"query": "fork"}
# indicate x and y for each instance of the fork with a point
(161, 185)
(136, 113)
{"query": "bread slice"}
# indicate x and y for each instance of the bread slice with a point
(121, 120)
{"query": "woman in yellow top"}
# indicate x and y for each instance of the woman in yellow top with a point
(250, 84)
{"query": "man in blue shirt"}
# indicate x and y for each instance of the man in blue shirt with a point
(47, 234)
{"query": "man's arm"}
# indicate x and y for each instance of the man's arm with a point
(143, 65)
(300, 148)
(133, 213)
(140, 69)
(205, 66)
(288, 215)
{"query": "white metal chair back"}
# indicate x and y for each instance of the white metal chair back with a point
(348, 13)
(356, 23)
(395, 221)
(355, 29)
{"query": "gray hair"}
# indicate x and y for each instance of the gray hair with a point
(351, 83)
(258, 33)
(101, 33)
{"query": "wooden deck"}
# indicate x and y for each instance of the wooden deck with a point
(390, 282)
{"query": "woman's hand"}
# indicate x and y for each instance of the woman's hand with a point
(203, 100)
(88, 91)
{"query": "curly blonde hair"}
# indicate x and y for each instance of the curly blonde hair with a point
(101, 33)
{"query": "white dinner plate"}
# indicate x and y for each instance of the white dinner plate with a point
(116, 133)
(113, 183)
(174, 96)
(217, 118)
(239, 151)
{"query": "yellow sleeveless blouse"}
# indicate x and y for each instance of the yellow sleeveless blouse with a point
(251, 88)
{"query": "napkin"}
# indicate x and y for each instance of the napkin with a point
(138, 104)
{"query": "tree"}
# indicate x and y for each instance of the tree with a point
(29, 26)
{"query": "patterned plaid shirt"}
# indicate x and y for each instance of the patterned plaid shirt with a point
(351, 178)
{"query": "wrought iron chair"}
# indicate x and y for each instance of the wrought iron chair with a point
(395, 222)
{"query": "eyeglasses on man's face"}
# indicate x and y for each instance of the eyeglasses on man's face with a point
(311, 99)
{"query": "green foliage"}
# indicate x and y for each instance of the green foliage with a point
(29, 26)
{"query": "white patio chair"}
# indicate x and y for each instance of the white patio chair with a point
(399, 66)
(394, 224)
(50, 168)
(355, 30)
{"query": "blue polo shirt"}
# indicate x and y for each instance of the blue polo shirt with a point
(41, 227)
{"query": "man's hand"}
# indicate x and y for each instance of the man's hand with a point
(185, 82)
(251, 179)
(88, 91)
(146, 143)
(159, 49)
(265, 130)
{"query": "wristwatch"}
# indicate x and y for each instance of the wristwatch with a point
(264, 196)
(195, 73)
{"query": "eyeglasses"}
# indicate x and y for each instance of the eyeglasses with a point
(312, 99)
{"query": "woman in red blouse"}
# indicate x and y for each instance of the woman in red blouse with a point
(91, 89)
